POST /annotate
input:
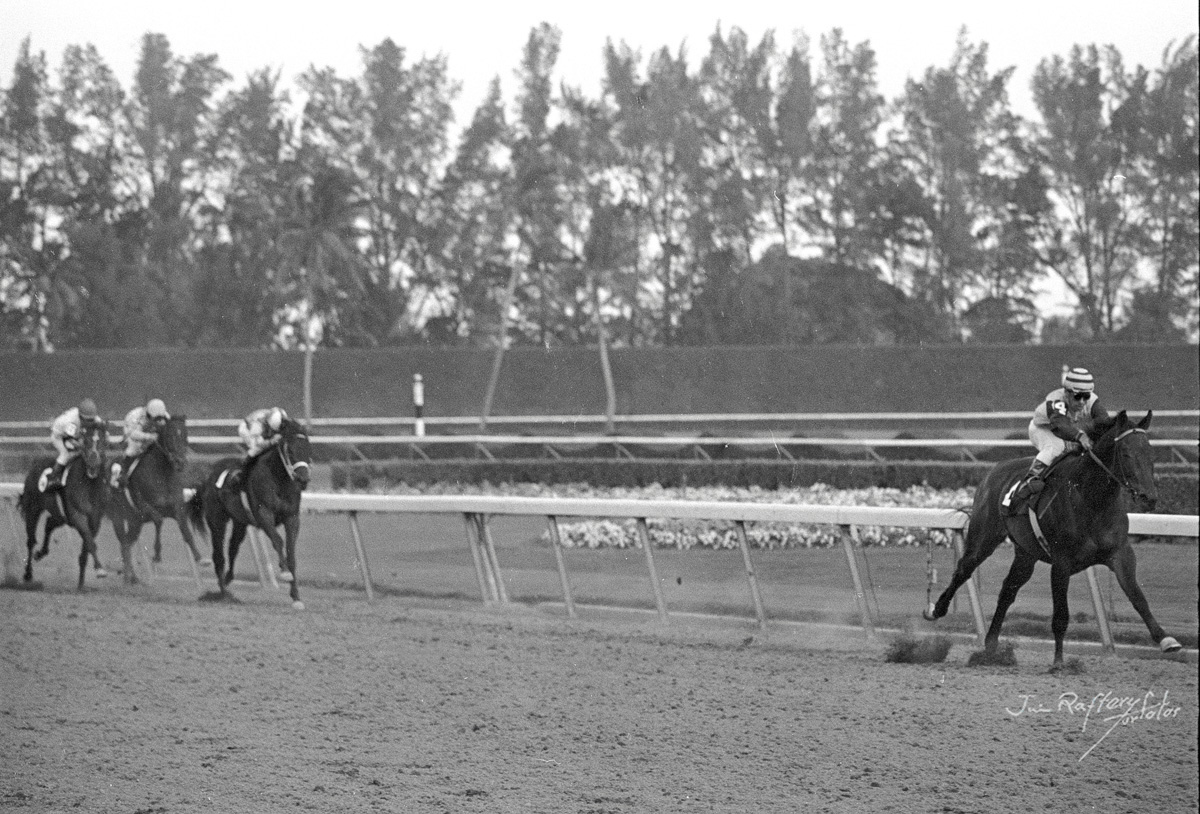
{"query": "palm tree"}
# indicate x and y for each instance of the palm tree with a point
(322, 268)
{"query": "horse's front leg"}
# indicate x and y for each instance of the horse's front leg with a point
(131, 529)
(1060, 581)
(264, 518)
(94, 521)
(291, 529)
(88, 549)
(1123, 563)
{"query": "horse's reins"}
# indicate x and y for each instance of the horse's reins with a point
(286, 457)
(1116, 479)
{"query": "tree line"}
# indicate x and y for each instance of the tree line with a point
(767, 193)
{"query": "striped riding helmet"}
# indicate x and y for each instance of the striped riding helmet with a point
(1079, 380)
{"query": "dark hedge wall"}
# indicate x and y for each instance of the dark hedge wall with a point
(567, 381)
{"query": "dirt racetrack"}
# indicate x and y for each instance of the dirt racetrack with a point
(145, 700)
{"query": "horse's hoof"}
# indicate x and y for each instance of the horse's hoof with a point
(298, 605)
(929, 614)
(285, 576)
(100, 573)
(1170, 644)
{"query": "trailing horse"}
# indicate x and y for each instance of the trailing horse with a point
(268, 497)
(1080, 519)
(79, 503)
(154, 491)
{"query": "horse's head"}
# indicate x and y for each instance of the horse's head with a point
(295, 452)
(173, 440)
(1126, 448)
(93, 441)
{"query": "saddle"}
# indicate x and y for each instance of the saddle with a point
(1034, 507)
(1007, 508)
(222, 483)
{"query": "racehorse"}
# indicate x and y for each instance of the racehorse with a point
(1083, 515)
(79, 503)
(268, 497)
(153, 491)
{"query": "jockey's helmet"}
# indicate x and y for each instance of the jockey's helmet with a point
(1079, 380)
(87, 410)
(156, 409)
(275, 419)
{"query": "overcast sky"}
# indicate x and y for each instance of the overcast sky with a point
(482, 40)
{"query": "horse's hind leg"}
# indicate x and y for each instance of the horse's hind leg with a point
(1124, 564)
(158, 521)
(981, 542)
(53, 523)
(31, 522)
(1060, 581)
(216, 534)
(235, 543)
(1020, 572)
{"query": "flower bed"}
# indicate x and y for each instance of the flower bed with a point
(687, 534)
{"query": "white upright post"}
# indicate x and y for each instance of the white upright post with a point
(418, 405)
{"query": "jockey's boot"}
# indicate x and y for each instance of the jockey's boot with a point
(121, 475)
(1030, 486)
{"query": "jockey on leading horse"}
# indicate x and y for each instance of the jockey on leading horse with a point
(1060, 423)
(64, 436)
(142, 425)
(259, 431)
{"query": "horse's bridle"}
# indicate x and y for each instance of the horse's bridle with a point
(1137, 494)
(285, 455)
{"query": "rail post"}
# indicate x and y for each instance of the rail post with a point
(489, 551)
(659, 602)
(972, 592)
(556, 544)
(860, 597)
(418, 405)
(360, 553)
(484, 576)
(744, 544)
(1101, 617)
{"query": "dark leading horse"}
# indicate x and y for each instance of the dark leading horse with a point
(269, 497)
(1084, 515)
(154, 491)
(79, 504)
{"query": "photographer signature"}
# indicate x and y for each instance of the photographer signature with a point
(1105, 708)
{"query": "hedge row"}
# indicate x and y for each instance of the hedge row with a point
(1178, 491)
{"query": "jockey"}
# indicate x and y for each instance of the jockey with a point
(259, 431)
(1060, 425)
(64, 435)
(142, 425)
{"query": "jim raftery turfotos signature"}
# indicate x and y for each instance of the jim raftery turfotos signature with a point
(1101, 709)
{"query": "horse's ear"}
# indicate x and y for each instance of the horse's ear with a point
(1122, 419)
(1144, 424)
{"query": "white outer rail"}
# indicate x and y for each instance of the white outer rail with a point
(476, 508)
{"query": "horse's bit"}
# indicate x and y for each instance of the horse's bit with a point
(285, 455)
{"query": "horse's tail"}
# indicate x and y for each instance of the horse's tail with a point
(195, 510)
